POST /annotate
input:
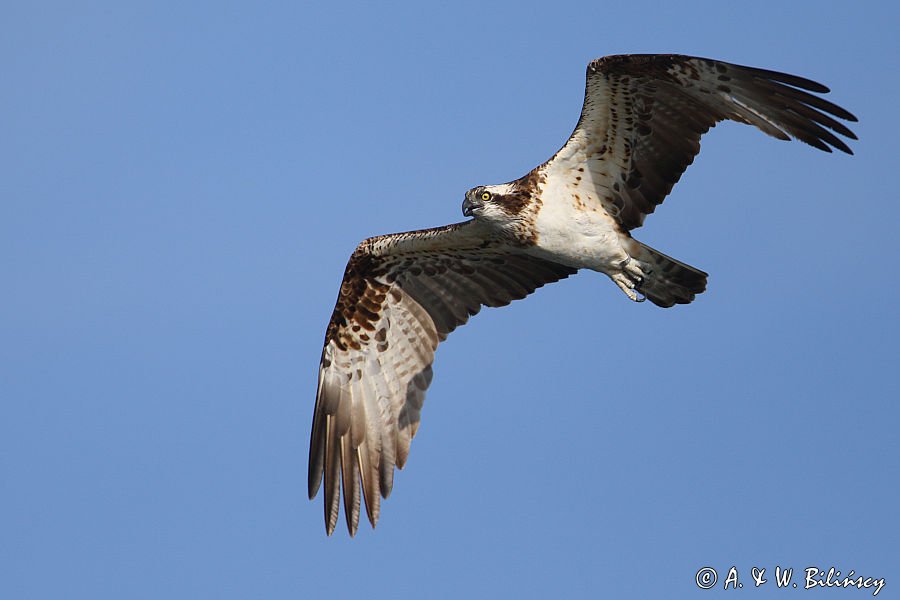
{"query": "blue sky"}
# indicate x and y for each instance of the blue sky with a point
(183, 183)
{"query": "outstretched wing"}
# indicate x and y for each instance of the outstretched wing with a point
(401, 295)
(643, 117)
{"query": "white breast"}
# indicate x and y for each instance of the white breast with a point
(575, 230)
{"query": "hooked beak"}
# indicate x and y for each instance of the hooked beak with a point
(469, 206)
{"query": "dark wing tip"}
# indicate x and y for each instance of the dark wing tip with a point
(794, 80)
(792, 100)
(849, 116)
(802, 83)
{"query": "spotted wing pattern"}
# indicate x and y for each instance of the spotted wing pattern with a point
(643, 117)
(401, 295)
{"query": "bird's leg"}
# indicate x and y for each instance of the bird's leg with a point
(629, 278)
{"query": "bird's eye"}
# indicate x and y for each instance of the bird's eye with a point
(485, 196)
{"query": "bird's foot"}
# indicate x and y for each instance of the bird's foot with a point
(629, 279)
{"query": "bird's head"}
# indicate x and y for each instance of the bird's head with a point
(499, 203)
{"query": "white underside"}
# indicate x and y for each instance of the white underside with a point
(577, 234)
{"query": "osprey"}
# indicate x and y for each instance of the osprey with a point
(402, 294)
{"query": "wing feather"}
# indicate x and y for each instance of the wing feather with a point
(401, 295)
(643, 117)
(350, 476)
(332, 473)
(369, 478)
(494, 295)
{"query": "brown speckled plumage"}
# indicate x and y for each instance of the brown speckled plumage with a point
(657, 106)
(400, 296)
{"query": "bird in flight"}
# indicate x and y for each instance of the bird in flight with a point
(402, 294)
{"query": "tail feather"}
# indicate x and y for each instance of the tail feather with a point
(669, 281)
